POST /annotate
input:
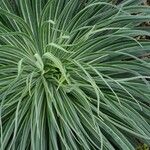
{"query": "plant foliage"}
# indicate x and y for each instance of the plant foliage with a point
(72, 75)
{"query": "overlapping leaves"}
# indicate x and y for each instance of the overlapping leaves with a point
(72, 75)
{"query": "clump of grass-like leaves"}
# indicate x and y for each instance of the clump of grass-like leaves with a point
(73, 76)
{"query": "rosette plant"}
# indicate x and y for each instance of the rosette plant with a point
(74, 75)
